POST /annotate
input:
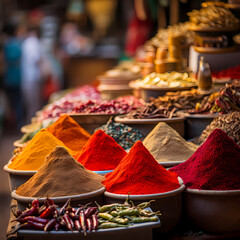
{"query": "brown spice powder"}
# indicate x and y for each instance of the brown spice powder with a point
(61, 175)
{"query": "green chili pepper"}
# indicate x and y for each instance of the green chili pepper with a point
(121, 220)
(128, 212)
(114, 213)
(106, 216)
(102, 221)
(145, 204)
(148, 213)
(111, 225)
(107, 208)
(144, 219)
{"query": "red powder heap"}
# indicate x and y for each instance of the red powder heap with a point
(214, 166)
(139, 173)
(101, 152)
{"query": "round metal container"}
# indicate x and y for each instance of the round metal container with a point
(83, 199)
(213, 211)
(17, 177)
(90, 121)
(196, 123)
(169, 203)
(155, 92)
(145, 126)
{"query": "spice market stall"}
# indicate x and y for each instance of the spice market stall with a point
(161, 163)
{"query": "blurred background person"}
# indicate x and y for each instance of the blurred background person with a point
(12, 76)
(31, 73)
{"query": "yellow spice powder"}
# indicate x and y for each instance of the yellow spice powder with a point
(34, 154)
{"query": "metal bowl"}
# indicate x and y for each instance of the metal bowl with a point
(148, 92)
(17, 177)
(213, 211)
(91, 121)
(169, 203)
(145, 126)
(85, 198)
(196, 123)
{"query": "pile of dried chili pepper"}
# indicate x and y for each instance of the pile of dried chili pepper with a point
(48, 217)
(122, 215)
(226, 101)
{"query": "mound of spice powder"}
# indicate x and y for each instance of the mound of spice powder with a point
(69, 132)
(101, 153)
(214, 166)
(166, 144)
(34, 154)
(61, 175)
(139, 173)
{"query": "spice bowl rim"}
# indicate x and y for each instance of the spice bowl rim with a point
(123, 119)
(147, 196)
(18, 172)
(20, 198)
(212, 192)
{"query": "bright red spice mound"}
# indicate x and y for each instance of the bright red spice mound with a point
(214, 166)
(139, 173)
(101, 152)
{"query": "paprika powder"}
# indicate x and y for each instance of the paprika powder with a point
(214, 166)
(101, 153)
(139, 173)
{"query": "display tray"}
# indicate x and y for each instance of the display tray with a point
(216, 50)
(136, 231)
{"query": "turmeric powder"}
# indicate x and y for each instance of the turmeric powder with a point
(33, 155)
(69, 132)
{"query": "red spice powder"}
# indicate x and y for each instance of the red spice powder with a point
(101, 152)
(214, 166)
(139, 173)
(69, 132)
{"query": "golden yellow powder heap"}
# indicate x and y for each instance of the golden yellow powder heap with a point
(33, 155)
(166, 145)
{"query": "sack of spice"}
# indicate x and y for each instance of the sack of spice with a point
(124, 135)
(101, 153)
(229, 123)
(139, 173)
(61, 175)
(214, 166)
(33, 155)
(166, 144)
